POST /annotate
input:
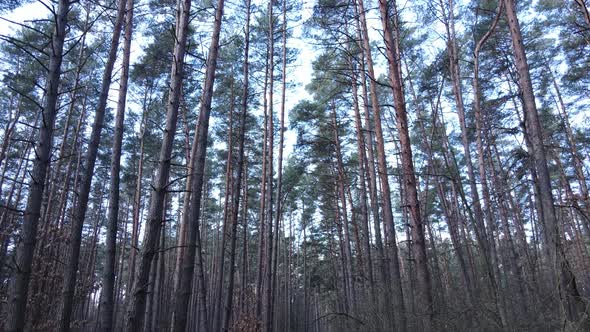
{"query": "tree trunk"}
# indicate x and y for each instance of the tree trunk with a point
(479, 134)
(108, 280)
(262, 212)
(158, 281)
(85, 185)
(7, 218)
(229, 193)
(347, 258)
(424, 291)
(274, 285)
(238, 180)
(361, 146)
(19, 285)
(160, 186)
(560, 271)
(184, 221)
(121, 265)
(63, 150)
(267, 289)
(198, 158)
(134, 242)
(451, 219)
(398, 296)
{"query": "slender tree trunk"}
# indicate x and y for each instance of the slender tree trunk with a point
(305, 289)
(184, 218)
(21, 158)
(515, 211)
(54, 183)
(85, 185)
(158, 281)
(343, 295)
(577, 161)
(160, 186)
(398, 297)
(347, 258)
(193, 236)
(7, 218)
(561, 276)
(108, 280)
(267, 305)
(87, 276)
(279, 211)
(244, 303)
(72, 163)
(19, 285)
(458, 94)
(238, 180)
(262, 213)
(512, 255)
(479, 134)
(8, 130)
(134, 242)
(361, 146)
(450, 218)
(121, 265)
(424, 292)
(149, 308)
(481, 214)
(229, 193)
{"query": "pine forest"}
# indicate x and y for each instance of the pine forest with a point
(294, 165)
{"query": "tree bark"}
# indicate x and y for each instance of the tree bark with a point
(238, 180)
(200, 149)
(361, 146)
(561, 276)
(136, 313)
(85, 185)
(268, 305)
(262, 210)
(229, 193)
(398, 296)
(424, 292)
(134, 241)
(280, 157)
(347, 257)
(479, 134)
(108, 279)
(262, 213)
(19, 284)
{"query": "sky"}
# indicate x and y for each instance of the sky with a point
(22, 14)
